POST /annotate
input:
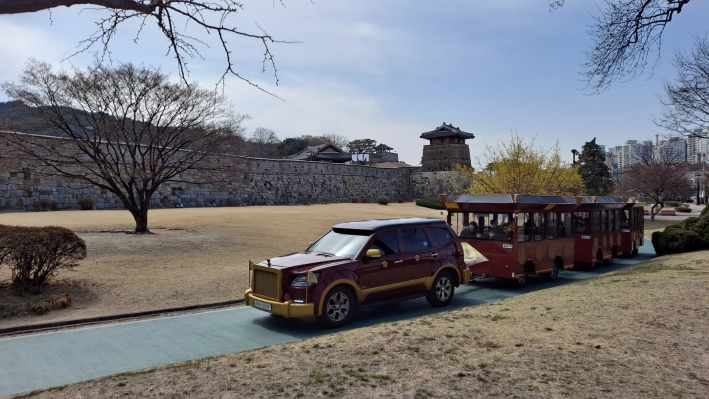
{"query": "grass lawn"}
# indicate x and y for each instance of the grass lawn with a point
(641, 332)
(196, 256)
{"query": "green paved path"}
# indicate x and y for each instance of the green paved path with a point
(47, 360)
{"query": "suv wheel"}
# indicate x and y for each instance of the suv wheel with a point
(337, 308)
(441, 293)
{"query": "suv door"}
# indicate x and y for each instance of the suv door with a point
(385, 270)
(419, 253)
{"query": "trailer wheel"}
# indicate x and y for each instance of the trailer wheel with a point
(599, 258)
(524, 278)
(554, 271)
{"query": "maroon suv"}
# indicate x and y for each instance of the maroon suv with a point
(361, 262)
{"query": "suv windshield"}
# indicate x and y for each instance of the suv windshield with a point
(339, 244)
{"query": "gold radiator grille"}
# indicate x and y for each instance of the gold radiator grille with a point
(266, 284)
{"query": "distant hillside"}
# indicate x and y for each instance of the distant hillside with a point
(13, 119)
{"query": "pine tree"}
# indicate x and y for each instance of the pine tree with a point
(593, 169)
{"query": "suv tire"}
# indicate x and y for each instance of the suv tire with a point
(442, 290)
(337, 308)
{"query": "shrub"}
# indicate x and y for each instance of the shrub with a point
(86, 204)
(325, 201)
(37, 254)
(432, 203)
(364, 200)
(705, 211)
(691, 234)
(354, 200)
(383, 200)
(306, 201)
(677, 241)
(672, 203)
(45, 205)
(401, 200)
(40, 205)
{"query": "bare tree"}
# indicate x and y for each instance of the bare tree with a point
(263, 143)
(661, 176)
(626, 33)
(174, 18)
(126, 129)
(686, 100)
(337, 140)
(264, 136)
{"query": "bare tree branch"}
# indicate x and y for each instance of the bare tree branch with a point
(173, 18)
(686, 100)
(626, 33)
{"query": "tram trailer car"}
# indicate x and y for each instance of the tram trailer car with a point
(632, 234)
(606, 228)
(520, 235)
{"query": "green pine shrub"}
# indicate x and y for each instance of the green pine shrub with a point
(432, 203)
(691, 234)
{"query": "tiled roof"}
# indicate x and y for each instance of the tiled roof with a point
(446, 130)
(314, 149)
(316, 155)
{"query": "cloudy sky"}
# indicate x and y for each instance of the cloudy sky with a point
(393, 70)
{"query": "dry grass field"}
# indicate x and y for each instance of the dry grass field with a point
(642, 332)
(195, 256)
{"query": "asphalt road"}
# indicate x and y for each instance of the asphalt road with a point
(58, 358)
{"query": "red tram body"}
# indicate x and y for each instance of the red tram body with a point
(521, 235)
(632, 234)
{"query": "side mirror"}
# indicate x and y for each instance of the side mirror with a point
(373, 253)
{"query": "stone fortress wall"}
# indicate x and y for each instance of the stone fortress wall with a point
(266, 182)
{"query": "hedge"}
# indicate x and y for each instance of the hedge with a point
(433, 203)
(691, 234)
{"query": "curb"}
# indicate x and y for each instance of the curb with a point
(90, 320)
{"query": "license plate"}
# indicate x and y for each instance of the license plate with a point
(262, 305)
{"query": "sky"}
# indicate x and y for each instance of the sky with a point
(392, 70)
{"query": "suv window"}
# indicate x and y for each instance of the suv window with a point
(387, 242)
(414, 240)
(441, 235)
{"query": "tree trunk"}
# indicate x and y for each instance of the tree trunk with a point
(141, 221)
(653, 212)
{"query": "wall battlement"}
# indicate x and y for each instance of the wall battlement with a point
(265, 181)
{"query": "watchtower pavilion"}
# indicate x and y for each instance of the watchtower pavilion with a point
(446, 147)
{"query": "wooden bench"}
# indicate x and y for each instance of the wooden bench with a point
(667, 212)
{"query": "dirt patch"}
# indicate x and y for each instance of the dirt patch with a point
(642, 332)
(195, 256)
